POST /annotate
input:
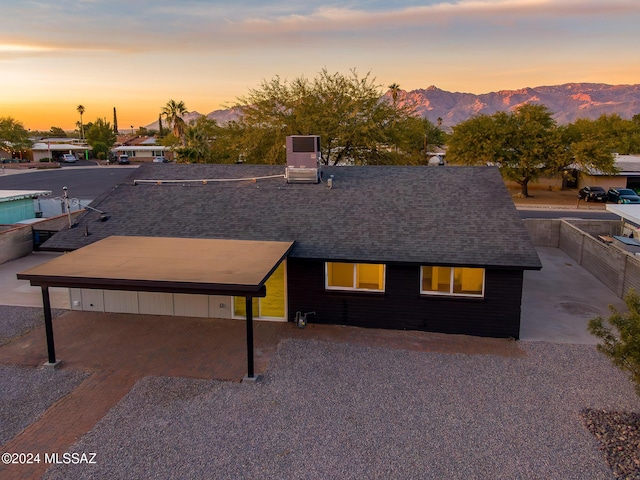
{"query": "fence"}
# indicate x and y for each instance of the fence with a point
(618, 269)
(17, 240)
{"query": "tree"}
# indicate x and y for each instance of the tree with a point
(623, 136)
(524, 143)
(145, 132)
(160, 129)
(57, 132)
(80, 109)
(115, 121)
(413, 137)
(622, 346)
(394, 88)
(14, 138)
(198, 140)
(586, 147)
(345, 110)
(101, 137)
(173, 112)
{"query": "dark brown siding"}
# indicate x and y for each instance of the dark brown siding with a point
(402, 307)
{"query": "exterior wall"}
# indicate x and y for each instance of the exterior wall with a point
(571, 241)
(17, 210)
(15, 241)
(402, 307)
(56, 223)
(598, 227)
(604, 181)
(149, 303)
(543, 233)
(142, 154)
(631, 278)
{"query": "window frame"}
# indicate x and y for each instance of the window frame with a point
(451, 293)
(354, 287)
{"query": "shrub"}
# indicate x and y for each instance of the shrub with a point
(622, 346)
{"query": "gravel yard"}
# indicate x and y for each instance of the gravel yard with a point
(326, 410)
(25, 393)
(17, 321)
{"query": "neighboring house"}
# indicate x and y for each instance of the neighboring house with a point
(141, 148)
(630, 232)
(418, 248)
(18, 205)
(54, 148)
(628, 175)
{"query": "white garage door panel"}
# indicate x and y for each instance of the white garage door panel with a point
(119, 301)
(92, 300)
(153, 303)
(186, 305)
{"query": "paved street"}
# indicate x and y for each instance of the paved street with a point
(82, 182)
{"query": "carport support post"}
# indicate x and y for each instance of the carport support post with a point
(249, 310)
(48, 325)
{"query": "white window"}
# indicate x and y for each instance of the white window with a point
(355, 276)
(452, 281)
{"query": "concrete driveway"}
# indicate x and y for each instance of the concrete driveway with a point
(557, 302)
(19, 292)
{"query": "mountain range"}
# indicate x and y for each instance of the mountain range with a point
(568, 102)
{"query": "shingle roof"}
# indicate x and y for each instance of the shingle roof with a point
(386, 214)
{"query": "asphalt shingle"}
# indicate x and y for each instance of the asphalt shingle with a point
(387, 214)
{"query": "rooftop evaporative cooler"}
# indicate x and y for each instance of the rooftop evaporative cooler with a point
(303, 158)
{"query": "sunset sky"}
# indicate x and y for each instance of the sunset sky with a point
(135, 55)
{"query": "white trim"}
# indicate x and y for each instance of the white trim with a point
(450, 293)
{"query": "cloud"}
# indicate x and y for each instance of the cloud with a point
(204, 26)
(330, 19)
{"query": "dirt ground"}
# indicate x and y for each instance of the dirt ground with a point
(544, 196)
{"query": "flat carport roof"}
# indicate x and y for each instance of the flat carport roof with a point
(170, 265)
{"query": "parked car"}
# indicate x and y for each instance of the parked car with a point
(622, 195)
(589, 194)
(69, 158)
(123, 160)
(160, 160)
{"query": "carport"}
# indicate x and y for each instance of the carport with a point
(167, 265)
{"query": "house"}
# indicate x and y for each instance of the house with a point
(141, 148)
(630, 231)
(419, 248)
(628, 175)
(54, 148)
(18, 205)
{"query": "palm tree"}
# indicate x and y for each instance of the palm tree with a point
(395, 88)
(80, 109)
(173, 112)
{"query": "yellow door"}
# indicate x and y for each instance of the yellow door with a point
(271, 307)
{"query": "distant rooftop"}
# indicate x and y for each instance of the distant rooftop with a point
(11, 195)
